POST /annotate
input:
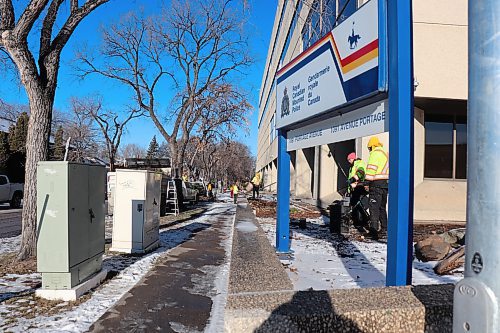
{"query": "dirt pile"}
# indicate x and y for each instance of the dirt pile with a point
(298, 210)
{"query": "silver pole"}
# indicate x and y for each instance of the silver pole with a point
(477, 296)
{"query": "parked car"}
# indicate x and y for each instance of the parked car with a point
(189, 192)
(11, 193)
(202, 189)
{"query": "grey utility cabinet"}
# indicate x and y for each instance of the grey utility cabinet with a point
(70, 218)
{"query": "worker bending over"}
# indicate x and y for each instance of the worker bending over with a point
(356, 188)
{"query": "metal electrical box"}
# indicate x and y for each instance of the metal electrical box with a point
(70, 222)
(136, 217)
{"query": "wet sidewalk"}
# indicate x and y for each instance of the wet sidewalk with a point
(184, 292)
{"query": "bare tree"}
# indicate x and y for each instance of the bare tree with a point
(12, 111)
(85, 138)
(39, 78)
(223, 116)
(197, 45)
(109, 122)
(132, 150)
(227, 160)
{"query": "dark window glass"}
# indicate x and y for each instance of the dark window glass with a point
(350, 8)
(329, 14)
(461, 144)
(438, 147)
(305, 35)
(315, 29)
(3, 180)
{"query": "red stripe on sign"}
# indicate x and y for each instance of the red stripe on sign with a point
(359, 53)
(304, 54)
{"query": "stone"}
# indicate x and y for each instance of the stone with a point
(432, 248)
(454, 237)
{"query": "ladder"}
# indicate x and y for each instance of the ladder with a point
(172, 198)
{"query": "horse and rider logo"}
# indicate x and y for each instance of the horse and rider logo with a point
(285, 104)
(353, 39)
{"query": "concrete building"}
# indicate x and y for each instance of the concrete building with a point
(440, 67)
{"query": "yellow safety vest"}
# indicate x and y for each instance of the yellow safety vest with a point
(378, 165)
(256, 179)
(235, 189)
(358, 165)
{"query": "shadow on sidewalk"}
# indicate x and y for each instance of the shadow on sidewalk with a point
(308, 311)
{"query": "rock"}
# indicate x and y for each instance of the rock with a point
(455, 237)
(432, 248)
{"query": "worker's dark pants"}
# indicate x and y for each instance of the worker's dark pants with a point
(358, 215)
(235, 196)
(255, 189)
(378, 202)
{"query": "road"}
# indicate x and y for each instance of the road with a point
(10, 221)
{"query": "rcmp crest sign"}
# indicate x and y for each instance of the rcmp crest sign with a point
(339, 69)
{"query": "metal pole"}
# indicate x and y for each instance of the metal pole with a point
(400, 224)
(283, 199)
(477, 296)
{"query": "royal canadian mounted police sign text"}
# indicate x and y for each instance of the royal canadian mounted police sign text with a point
(342, 67)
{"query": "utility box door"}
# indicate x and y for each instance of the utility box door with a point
(138, 211)
(79, 217)
(52, 210)
(97, 188)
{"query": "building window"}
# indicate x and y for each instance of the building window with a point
(305, 33)
(328, 16)
(445, 146)
(273, 133)
(322, 18)
(346, 9)
(315, 29)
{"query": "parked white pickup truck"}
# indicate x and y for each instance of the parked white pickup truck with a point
(11, 193)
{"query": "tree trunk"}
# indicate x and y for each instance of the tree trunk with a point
(112, 159)
(174, 152)
(37, 141)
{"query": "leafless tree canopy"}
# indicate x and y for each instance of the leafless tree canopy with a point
(38, 68)
(196, 48)
(133, 150)
(85, 137)
(110, 123)
(226, 160)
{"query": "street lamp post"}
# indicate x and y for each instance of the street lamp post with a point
(476, 299)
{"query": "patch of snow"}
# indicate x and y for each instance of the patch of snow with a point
(216, 321)
(246, 226)
(323, 261)
(10, 244)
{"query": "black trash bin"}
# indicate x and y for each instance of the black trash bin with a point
(339, 222)
(335, 216)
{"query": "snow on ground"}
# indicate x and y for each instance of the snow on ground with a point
(131, 270)
(324, 261)
(10, 244)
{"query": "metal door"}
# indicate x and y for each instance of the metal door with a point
(97, 188)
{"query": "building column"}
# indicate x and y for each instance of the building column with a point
(316, 170)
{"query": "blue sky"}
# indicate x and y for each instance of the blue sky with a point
(141, 131)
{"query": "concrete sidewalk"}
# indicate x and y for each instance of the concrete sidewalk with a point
(258, 296)
(261, 297)
(177, 294)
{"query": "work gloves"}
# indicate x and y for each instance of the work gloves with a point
(351, 180)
